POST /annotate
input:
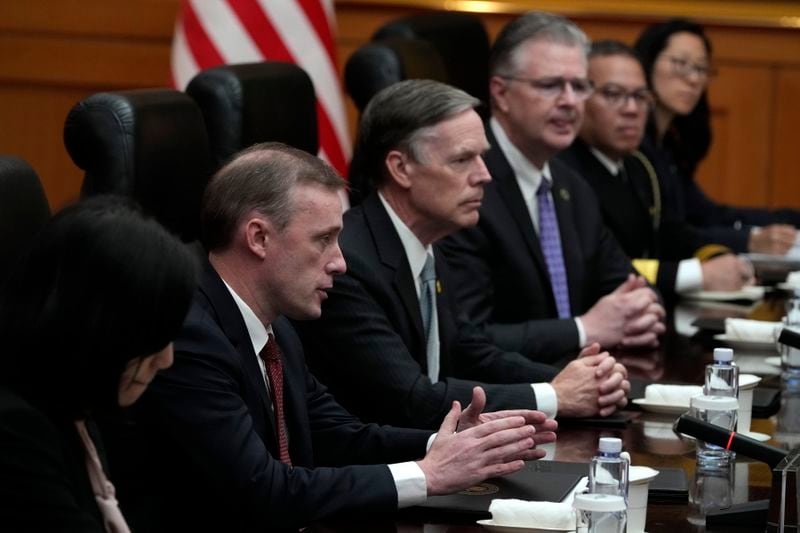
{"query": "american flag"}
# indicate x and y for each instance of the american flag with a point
(209, 33)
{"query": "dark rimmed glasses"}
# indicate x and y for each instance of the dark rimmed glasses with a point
(553, 87)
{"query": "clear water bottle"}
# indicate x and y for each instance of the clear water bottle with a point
(793, 307)
(599, 513)
(722, 376)
(608, 471)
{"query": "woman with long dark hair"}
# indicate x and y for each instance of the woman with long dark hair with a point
(676, 56)
(86, 320)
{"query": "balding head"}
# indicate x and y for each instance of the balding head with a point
(259, 178)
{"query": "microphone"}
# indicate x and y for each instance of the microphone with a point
(789, 337)
(730, 440)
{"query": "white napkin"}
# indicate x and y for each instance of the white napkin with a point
(794, 251)
(793, 279)
(678, 395)
(521, 513)
(750, 330)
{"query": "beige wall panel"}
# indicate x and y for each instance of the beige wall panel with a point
(737, 168)
(83, 62)
(785, 184)
(33, 121)
(53, 52)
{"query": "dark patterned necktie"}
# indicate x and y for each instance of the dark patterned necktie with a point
(271, 355)
(550, 239)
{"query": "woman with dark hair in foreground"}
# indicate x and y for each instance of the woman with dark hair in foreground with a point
(676, 56)
(86, 320)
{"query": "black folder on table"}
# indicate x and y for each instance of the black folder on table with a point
(548, 481)
(538, 481)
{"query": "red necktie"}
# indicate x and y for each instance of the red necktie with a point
(271, 355)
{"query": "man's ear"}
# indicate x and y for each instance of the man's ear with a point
(399, 166)
(498, 89)
(257, 233)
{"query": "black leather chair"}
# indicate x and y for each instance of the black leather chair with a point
(459, 38)
(376, 65)
(148, 144)
(256, 102)
(23, 209)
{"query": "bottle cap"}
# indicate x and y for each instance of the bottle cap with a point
(723, 354)
(599, 502)
(610, 445)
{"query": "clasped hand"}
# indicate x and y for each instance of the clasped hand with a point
(630, 316)
(472, 445)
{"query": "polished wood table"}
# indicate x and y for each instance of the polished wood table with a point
(649, 439)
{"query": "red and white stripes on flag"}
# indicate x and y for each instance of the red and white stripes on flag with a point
(209, 33)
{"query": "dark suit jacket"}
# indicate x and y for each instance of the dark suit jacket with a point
(718, 222)
(627, 206)
(44, 485)
(211, 427)
(369, 346)
(500, 272)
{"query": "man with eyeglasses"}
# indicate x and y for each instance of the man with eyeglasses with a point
(626, 183)
(541, 272)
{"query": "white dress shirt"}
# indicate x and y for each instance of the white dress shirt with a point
(690, 274)
(416, 253)
(529, 177)
(409, 479)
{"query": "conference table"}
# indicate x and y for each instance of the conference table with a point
(648, 437)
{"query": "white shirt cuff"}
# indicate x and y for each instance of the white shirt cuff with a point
(430, 442)
(689, 276)
(581, 333)
(409, 479)
(546, 399)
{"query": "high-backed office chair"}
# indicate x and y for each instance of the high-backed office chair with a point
(256, 102)
(376, 65)
(459, 38)
(148, 144)
(23, 209)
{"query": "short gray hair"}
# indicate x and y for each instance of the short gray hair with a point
(259, 178)
(400, 116)
(532, 26)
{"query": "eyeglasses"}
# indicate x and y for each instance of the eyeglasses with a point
(685, 68)
(557, 86)
(618, 97)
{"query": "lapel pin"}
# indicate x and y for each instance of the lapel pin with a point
(438, 287)
(564, 194)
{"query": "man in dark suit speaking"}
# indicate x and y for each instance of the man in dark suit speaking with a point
(541, 272)
(245, 439)
(391, 343)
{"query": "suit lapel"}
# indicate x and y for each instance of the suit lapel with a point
(642, 185)
(392, 256)
(230, 320)
(447, 322)
(570, 240)
(507, 186)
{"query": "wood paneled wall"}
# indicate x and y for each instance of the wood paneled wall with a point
(55, 52)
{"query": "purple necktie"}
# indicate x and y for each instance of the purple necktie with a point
(550, 240)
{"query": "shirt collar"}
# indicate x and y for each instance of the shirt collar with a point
(614, 167)
(259, 333)
(528, 175)
(416, 253)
